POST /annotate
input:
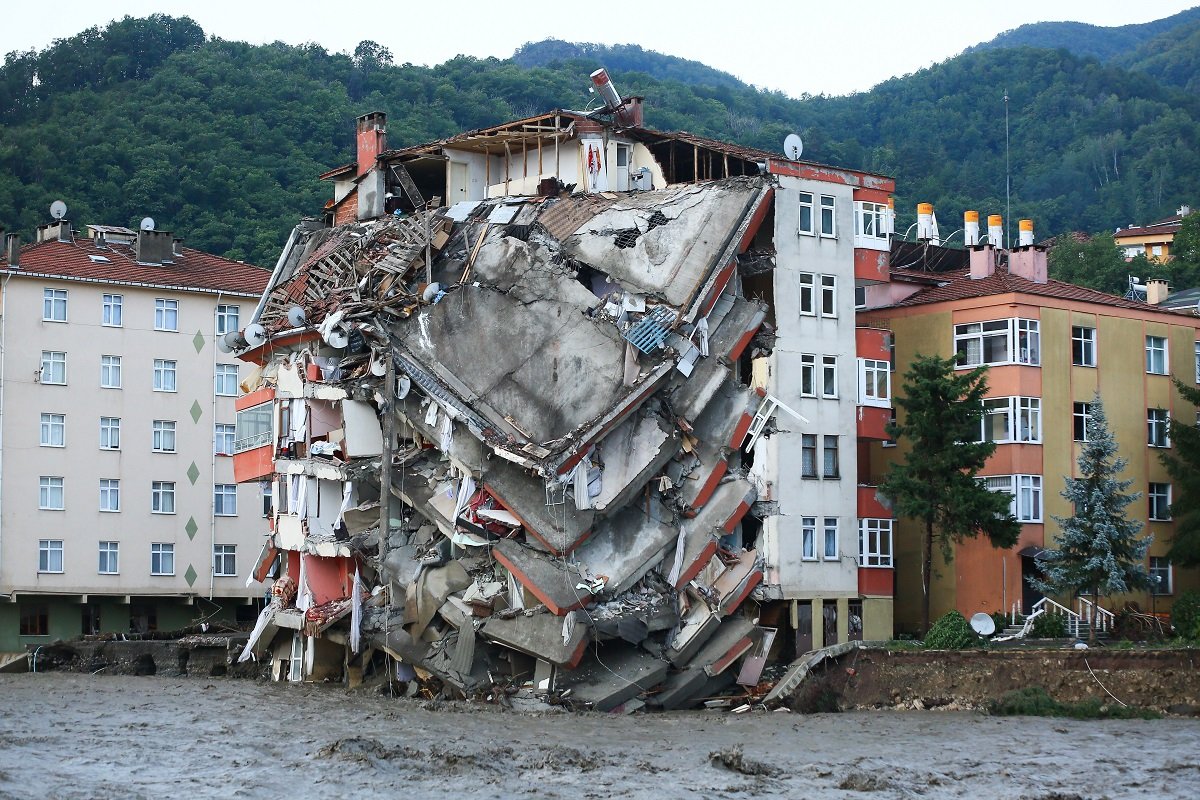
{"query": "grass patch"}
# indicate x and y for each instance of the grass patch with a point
(1033, 701)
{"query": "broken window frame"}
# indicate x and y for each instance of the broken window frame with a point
(805, 214)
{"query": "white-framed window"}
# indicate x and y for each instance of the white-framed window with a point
(808, 455)
(54, 305)
(54, 367)
(112, 311)
(1156, 355)
(1159, 500)
(1161, 576)
(163, 436)
(874, 382)
(164, 375)
(829, 384)
(1002, 341)
(50, 555)
(162, 558)
(110, 372)
(1025, 491)
(806, 218)
(1011, 419)
(166, 314)
(1156, 250)
(50, 493)
(1083, 346)
(1158, 427)
(225, 499)
(225, 560)
(808, 294)
(1197, 362)
(162, 497)
(828, 295)
(808, 538)
(875, 542)
(253, 427)
(829, 549)
(226, 382)
(109, 558)
(828, 217)
(53, 430)
(223, 439)
(110, 494)
(110, 433)
(1081, 415)
(871, 226)
(830, 465)
(860, 297)
(268, 492)
(227, 319)
(808, 375)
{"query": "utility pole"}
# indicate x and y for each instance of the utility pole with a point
(1007, 176)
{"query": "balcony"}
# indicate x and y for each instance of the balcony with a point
(873, 505)
(873, 343)
(252, 451)
(872, 422)
(871, 265)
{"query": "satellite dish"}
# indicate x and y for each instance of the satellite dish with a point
(147, 224)
(337, 338)
(296, 316)
(58, 209)
(983, 624)
(378, 364)
(403, 386)
(223, 345)
(255, 334)
(793, 146)
(431, 292)
(232, 340)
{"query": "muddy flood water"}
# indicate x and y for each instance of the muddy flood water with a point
(79, 736)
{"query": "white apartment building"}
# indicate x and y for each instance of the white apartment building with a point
(119, 507)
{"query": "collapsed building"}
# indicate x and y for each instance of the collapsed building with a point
(572, 404)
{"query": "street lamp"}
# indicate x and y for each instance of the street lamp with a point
(1154, 594)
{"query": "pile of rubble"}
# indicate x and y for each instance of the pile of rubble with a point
(549, 388)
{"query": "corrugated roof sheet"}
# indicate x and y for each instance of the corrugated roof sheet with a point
(960, 286)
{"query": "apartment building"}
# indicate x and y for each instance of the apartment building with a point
(1154, 240)
(1050, 346)
(119, 508)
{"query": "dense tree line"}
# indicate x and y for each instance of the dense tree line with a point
(221, 141)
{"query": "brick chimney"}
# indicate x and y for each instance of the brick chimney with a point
(59, 230)
(983, 261)
(12, 250)
(372, 139)
(153, 247)
(1028, 262)
(1156, 291)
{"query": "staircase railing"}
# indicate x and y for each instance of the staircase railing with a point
(1051, 607)
(1105, 619)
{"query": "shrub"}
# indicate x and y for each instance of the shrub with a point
(1033, 701)
(1001, 620)
(1049, 626)
(1185, 615)
(951, 632)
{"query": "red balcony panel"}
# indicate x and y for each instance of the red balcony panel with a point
(872, 422)
(253, 465)
(873, 505)
(873, 343)
(871, 265)
(264, 395)
(876, 581)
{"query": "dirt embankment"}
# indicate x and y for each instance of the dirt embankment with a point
(1159, 680)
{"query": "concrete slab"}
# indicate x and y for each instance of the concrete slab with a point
(728, 341)
(698, 624)
(626, 672)
(559, 528)
(547, 577)
(737, 581)
(626, 546)
(539, 636)
(633, 453)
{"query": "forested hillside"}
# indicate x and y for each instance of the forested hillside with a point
(220, 141)
(1085, 40)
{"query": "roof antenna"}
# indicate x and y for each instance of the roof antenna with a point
(1007, 174)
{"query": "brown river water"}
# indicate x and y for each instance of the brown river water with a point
(81, 736)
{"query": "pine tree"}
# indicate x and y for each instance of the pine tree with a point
(1183, 464)
(936, 483)
(1099, 550)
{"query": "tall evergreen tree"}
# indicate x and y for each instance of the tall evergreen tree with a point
(1099, 550)
(936, 483)
(1183, 464)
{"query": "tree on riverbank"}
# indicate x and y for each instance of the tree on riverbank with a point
(936, 483)
(1183, 464)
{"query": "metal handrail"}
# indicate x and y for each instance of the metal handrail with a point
(1105, 619)
(1073, 619)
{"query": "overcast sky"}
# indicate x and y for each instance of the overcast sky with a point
(795, 46)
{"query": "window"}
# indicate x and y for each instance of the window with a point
(831, 539)
(166, 315)
(871, 225)
(828, 218)
(227, 380)
(50, 555)
(253, 428)
(1012, 419)
(223, 434)
(1159, 498)
(50, 493)
(1082, 416)
(808, 306)
(1005, 341)
(164, 436)
(875, 542)
(808, 375)
(892, 421)
(54, 430)
(1160, 576)
(1026, 492)
(227, 319)
(1083, 346)
(108, 558)
(164, 375)
(267, 492)
(828, 295)
(1197, 362)
(808, 455)
(831, 457)
(829, 376)
(35, 620)
(225, 500)
(874, 382)
(112, 313)
(224, 560)
(110, 433)
(110, 372)
(54, 367)
(54, 305)
(1157, 428)
(162, 559)
(1156, 250)
(162, 497)
(110, 494)
(806, 214)
(860, 297)
(808, 538)
(1156, 355)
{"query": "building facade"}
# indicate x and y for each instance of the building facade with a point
(120, 512)
(1154, 240)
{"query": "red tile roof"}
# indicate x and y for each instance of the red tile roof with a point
(958, 285)
(194, 269)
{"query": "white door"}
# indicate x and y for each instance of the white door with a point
(460, 186)
(622, 176)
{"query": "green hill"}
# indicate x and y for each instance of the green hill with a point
(1085, 40)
